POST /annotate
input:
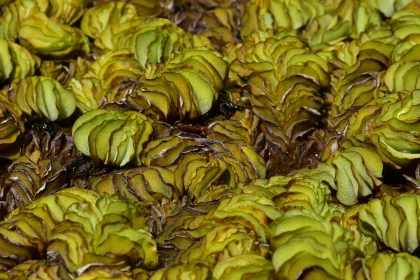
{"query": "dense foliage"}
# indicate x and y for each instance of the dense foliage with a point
(209, 139)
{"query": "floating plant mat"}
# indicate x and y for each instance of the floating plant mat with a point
(209, 139)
